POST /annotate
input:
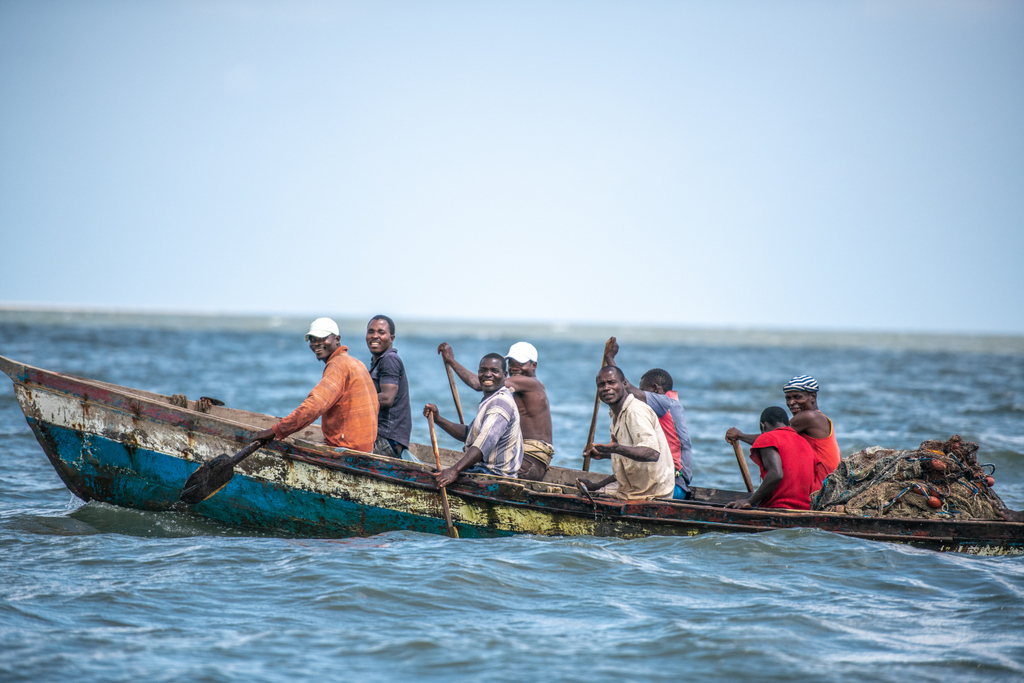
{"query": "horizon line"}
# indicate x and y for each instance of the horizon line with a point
(688, 335)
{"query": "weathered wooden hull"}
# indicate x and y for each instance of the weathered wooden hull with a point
(135, 449)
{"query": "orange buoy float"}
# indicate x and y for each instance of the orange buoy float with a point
(990, 480)
(934, 502)
(937, 465)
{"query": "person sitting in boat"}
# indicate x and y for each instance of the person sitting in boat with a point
(809, 422)
(531, 399)
(394, 421)
(656, 391)
(494, 440)
(345, 397)
(787, 465)
(641, 457)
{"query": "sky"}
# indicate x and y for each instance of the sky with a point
(783, 165)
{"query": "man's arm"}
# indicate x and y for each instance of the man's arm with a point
(471, 380)
(325, 394)
(521, 384)
(611, 349)
(449, 474)
(595, 485)
(733, 434)
(772, 462)
(387, 395)
(389, 376)
(459, 432)
(603, 451)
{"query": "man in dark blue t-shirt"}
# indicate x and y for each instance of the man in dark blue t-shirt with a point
(394, 421)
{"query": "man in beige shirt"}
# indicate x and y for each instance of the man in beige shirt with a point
(641, 457)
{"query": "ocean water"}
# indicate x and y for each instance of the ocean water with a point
(91, 592)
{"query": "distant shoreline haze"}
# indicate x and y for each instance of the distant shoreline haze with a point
(630, 333)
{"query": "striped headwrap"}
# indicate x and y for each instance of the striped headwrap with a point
(802, 383)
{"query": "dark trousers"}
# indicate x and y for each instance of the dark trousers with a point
(532, 469)
(388, 447)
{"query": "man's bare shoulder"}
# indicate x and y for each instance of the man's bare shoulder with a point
(524, 384)
(808, 419)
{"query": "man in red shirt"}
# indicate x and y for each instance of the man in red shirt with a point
(345, 397)
(810, 423)
(786, 461)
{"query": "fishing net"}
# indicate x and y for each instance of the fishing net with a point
(938, 480)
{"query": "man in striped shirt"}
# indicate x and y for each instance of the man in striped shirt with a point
(494, 442)
(531, 399)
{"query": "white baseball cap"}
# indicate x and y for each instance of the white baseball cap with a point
(522, 352)
(321, 327)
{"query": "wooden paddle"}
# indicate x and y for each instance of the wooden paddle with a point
(455, 394)
(742, 460)
(590, 436)
(212, 476)
(452, 531)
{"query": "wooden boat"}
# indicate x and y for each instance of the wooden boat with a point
(135, 449)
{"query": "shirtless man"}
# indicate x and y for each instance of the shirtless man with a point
(531, 400)
(809, 422)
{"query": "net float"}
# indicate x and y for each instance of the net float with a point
(937, 465)
(934, 502)
(991, 481)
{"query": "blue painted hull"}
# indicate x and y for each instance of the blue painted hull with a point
(97, 468)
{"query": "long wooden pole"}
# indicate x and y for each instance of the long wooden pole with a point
(455, 394)
(452, 531)
(742, 460)
(590, 436)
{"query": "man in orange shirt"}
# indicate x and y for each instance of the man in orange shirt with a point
(345, 397)
(812, 424)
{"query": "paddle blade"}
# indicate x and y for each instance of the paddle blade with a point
(208, 479)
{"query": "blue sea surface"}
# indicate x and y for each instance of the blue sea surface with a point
(92, 592)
